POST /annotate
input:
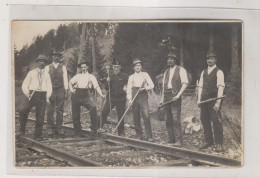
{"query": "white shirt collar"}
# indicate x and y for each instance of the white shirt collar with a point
(85, 73)
(54, 63)
(138, 73)
(40, 70)
(212, 67)
(173, 67)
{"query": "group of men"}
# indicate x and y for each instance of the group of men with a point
(49, 85)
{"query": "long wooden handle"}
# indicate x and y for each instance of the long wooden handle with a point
(138, 91)
(31, 95)
(212, 99)
(168, 102)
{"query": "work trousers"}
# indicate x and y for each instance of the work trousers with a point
(173, 120)
(56, 103)
(207, 115)
(81, 98)
(140, 107)
(120, 108)
(173, 116)
(39, 101)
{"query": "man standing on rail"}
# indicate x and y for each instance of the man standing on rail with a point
(140, 81)
(175, 81)
(37, 88)
(79, 86)
(59, 79)
(211, 85)
(118, 81)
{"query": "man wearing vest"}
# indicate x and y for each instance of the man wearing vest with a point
(140, 80)
(59, 79)
(79, 86)
(175, 81)
(118, 81)
(37, 88)
(211, 85)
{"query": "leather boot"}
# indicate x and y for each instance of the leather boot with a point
(170, 135)
(219, 148)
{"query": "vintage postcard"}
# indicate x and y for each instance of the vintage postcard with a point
(128, 94)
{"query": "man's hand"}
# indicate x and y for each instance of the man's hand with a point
(73, 90)
(125, 88)
(66, 95)
(103, 96)
(130, 102)
(217, 105)
(198, 104)
(160, 103)
(175, 97)
(28, 96)
(108, 79)
(48, 101)
(142, 89)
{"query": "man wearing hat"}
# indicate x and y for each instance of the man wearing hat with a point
(37, 89)
(140, 81)
(118, 81)
(79, 86)
(175, 81)
(211, 85)
(59, 79)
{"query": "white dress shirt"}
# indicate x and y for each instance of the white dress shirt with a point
(136, 80)
(65, 75)
(84, 81)
(37, 80)
(183, 76)
(220, 77)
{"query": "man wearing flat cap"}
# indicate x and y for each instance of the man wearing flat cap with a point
(140, 81)
(175, 81)
(117, 81)
(211, 85)
(37, 88)
(59, 79)
(79, 86)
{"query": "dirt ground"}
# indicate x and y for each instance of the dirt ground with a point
(231, 110)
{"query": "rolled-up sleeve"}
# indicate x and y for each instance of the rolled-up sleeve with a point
(220, 78)
(129, 87)
(26, 84)
(65, 77)
(149, 82)
(49, 85)
(183, 76)
(94, 81)
(201, 80)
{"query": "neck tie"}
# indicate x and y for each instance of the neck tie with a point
(40, 79)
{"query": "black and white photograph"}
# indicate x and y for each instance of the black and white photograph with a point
(127, 94)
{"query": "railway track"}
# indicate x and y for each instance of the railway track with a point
(106, 150)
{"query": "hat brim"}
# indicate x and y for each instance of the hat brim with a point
(174, 57)
(116, 64)
(43, 59)
(137, 63)
(211, 56)
(79, 65)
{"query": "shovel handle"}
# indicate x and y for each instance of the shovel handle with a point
(168, 102)
(212, 99)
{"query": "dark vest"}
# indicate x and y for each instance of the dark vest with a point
(56, 76)
(176, 80)
(209, 89)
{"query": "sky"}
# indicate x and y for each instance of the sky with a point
(23, 32)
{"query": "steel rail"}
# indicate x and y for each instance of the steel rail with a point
(72, 159)
(175, 151)
(169, 150)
